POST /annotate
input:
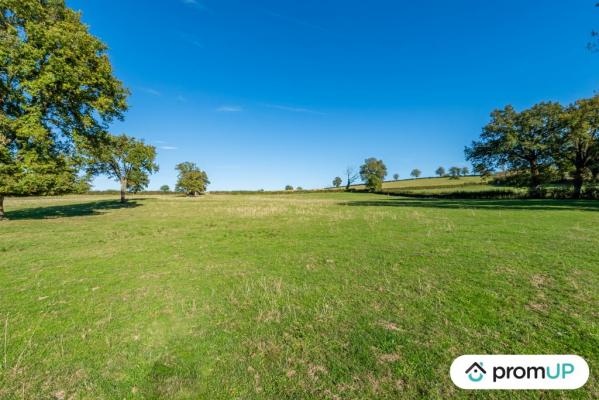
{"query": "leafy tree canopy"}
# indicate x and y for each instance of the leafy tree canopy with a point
(454, 172)
(521, 141)
(373, 172)
(56, 82)
(122, 158)
(138, 181)
(577, 152)
(192, 180)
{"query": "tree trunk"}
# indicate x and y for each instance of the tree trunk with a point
(578, 181)
(535, 180)
(2, 215)
(123, 190)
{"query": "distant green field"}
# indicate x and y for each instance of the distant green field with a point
(428, 183)
(454, 189)
(300, 296)
(449, 189)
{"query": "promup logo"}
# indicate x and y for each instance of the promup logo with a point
(476, 372)
(519, 372)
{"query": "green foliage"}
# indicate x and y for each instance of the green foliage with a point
(440, 171)
(56, 83)
(395, 176)
(454, 172)
(191, 179)
(465, 171)
(122, 158)
(288, 187)
(337, 182)
(165, 188)
(416, 173)
(373, 172)
(577, 152)
(138, 181)
(482, 171)
(521, 141)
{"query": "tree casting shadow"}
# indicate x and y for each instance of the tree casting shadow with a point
(69, 210)
(533, 204)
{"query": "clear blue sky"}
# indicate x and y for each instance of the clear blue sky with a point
(262, 94)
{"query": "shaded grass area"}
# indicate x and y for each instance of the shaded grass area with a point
(508, 204)
(69, 210)
(290, 297)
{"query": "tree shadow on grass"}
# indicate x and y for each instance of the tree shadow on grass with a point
(533, 204)
(69, 210)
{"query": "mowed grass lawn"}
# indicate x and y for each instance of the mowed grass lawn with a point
(331, 295)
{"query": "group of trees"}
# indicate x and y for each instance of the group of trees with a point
(130, 161)
(454, 172)
(58, 97)
(56, 85)
(125, 159)
(544, 143)
(372, 173)
(291, 188)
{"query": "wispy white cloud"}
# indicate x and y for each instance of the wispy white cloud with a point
(294, 109)
(151, 91)
(168, 147)
(229, 109)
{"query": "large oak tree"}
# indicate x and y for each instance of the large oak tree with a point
(521, 141)
(56, 83)
(578, 149)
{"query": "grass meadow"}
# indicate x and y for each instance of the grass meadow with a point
(428, 183)
(329, 295)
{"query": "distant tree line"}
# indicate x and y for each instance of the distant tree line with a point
(373, 173)
(454, 172)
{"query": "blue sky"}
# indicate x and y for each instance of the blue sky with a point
(262, 94)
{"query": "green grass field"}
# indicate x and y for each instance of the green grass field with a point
(333, 295)
(428, 183)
